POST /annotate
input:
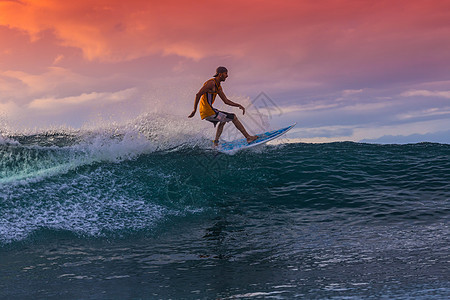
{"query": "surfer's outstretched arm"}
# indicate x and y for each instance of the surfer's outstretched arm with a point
(229, 102)
(200, 93)
(197, 99)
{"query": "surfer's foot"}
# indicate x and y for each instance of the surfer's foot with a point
(216, 143)
(251, 138)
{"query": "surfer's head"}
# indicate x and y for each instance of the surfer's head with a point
(221, 73)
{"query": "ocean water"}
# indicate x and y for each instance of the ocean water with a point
(149, 211)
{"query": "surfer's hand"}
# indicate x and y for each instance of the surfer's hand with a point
(192, 114)
(243, 109)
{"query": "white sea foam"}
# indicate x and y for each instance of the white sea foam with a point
(86, 216)
(44, 153)
(93, 203)
(7, 141)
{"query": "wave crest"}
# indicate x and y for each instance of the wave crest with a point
(34, 155)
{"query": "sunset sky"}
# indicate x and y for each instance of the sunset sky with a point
(342, 69)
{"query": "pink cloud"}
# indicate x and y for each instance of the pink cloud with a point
(281, 32)
(289, 46)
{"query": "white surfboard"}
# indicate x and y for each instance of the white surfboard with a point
(232, 147)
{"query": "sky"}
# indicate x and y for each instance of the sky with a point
(347, 70)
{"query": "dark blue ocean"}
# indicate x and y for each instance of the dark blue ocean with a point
(130, 214)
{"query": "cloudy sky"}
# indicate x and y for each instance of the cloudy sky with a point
(342, 69)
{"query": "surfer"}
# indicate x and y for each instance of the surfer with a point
(207, 95)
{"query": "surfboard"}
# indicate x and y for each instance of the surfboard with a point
(233, 146)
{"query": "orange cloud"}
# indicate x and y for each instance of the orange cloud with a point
(317, 37)
(111, 30)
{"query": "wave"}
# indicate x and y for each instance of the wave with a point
(119, 179)
(30, 157)
(97, 180)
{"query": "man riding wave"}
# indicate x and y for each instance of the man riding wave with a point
(206, 97)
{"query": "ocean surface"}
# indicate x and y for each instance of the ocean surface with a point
(149, 211)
